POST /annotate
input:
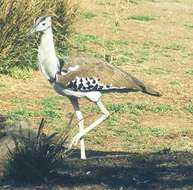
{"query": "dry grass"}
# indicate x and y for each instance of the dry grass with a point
(16, 18)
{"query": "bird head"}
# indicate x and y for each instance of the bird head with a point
(41, 24)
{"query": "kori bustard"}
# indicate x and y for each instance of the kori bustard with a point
(82, 76)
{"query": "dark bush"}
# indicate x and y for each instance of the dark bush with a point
(35, 158)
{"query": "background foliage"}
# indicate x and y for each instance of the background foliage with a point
(17, 49)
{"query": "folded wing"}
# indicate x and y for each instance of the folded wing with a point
(84, 73)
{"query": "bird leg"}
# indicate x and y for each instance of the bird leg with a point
(81, 126)
(83, 132)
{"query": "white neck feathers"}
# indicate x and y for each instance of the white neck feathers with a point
(47, 59)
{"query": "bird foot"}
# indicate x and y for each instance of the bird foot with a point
(76, 139)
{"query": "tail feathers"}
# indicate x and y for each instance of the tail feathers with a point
(145, 89)
(150, 91)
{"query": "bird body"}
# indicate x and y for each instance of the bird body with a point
(82, 76)
(85, 74)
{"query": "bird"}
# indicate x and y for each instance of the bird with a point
(82, 76)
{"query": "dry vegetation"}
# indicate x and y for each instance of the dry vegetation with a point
(17, 48)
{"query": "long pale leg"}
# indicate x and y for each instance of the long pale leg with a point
(81, 126)
(93, 125)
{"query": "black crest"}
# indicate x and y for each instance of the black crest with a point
(40, 19)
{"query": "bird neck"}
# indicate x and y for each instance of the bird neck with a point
(47, 59)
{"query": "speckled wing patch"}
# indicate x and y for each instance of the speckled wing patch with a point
(90, 84)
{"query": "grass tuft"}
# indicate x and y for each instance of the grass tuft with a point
(89, 14)
(50, 108)
(137, 129)
(35, 158)
(175, 83)
(190, 72)
(141, 18)
(136, 108)
(189, 107)
(157, 71)
(19, 114)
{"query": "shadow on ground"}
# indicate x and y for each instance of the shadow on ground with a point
(161, 170)
(122, 170)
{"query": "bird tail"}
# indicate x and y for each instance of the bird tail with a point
(150, 91)
(146, 89)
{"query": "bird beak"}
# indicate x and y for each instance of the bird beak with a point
(32, 31)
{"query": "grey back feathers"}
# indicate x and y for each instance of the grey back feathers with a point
(85, 73)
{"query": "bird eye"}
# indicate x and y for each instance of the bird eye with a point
(43, 24)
